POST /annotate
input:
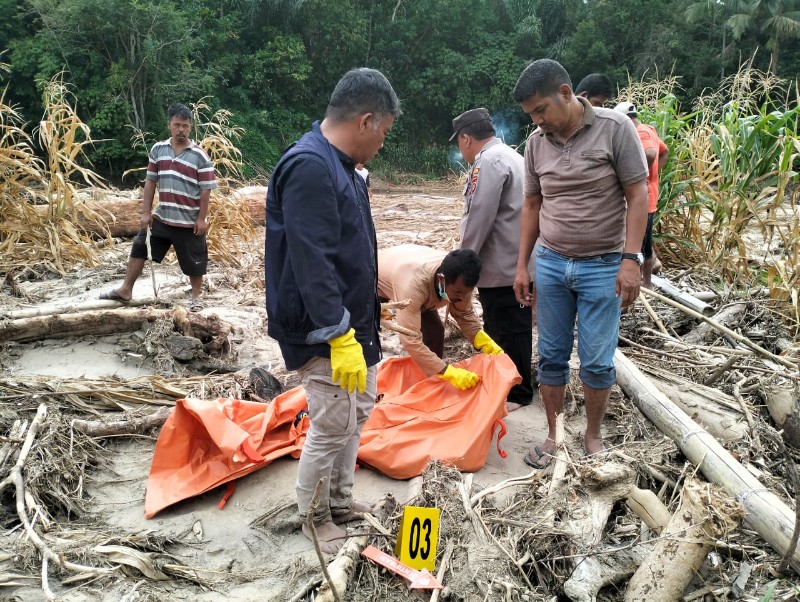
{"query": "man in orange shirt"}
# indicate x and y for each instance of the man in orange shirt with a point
(656, 153)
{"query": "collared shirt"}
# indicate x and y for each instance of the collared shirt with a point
(581, 182)
(493, 198)
(407, 272)
(180, 180)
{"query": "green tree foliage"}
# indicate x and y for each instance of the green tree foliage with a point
(273, 63)
(772, 23)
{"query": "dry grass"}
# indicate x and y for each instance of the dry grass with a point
(55, 239)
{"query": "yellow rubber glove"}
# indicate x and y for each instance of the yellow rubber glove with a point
(485, 343)
(460, 378)
(348, 363)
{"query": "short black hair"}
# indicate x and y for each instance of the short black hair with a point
(362, 91)
(480, 130)
(179, 110)
(464, 263)
(596, 84)
(541, 78)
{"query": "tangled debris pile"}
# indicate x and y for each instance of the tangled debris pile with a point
(581, 529)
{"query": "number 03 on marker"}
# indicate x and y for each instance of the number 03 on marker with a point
(417, 537)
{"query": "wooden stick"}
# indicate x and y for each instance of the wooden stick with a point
(560, 461)
(734, 335)
(389, 325)
(714, 376)
(653, 315)
(310, 524)
(303, 591)
(442, 568)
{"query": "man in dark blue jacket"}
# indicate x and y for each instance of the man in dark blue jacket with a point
(321, 280)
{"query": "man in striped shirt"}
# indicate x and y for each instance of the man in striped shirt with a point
(185, 178)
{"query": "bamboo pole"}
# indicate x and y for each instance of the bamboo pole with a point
(766, 514)
(684, 298)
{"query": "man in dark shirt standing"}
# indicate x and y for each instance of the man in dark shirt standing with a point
(321, 281)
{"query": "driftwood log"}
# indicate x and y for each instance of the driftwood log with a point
(682, 297)
(704, 515)
(213, 333)
(71, 308)
(766, 513)
(123, 215)
(129, 426)
(97, 322)
(719, 413)
(728, 316)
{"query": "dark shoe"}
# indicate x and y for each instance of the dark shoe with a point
(264, 384)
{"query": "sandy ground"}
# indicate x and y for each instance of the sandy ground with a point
(244, 561)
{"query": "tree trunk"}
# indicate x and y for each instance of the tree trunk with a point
(718, 413)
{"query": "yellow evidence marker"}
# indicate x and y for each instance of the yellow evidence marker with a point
(417, 537)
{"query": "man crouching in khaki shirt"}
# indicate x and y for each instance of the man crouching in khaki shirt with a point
(431, 279)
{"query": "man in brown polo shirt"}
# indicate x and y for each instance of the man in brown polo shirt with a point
(581, 165)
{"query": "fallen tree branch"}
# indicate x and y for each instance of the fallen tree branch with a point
(15, 477)
(98, 428)
(727, 331)
(310, 524)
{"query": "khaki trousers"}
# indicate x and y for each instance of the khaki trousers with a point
(331, 446)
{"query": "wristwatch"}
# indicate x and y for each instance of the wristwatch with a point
(637, 257)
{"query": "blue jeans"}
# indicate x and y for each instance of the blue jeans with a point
(586, 288)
